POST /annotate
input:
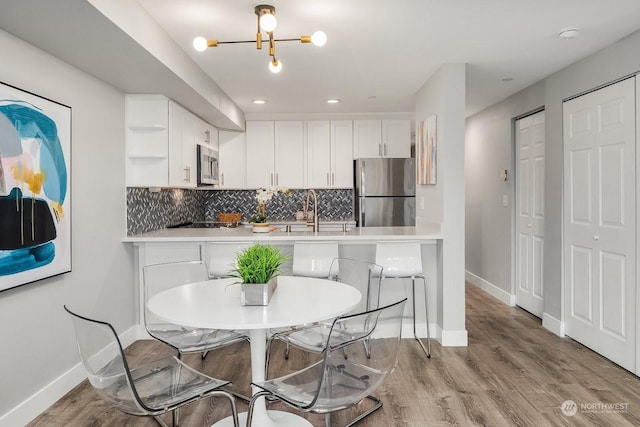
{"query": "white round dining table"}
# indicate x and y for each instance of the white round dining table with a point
(216, 304)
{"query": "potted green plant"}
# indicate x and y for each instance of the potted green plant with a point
(260, 221)
(258, 267)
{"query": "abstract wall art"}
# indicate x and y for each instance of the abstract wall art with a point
(35, 202)
(426, 154)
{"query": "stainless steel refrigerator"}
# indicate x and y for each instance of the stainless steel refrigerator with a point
(385, 192)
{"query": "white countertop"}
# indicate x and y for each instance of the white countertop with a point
(429, 231)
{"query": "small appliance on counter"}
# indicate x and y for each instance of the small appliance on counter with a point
(385, 191)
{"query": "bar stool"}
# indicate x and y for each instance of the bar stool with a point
(221, 257)
(313, 259)
(403, 260)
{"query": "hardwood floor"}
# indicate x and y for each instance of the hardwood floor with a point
(513, 373)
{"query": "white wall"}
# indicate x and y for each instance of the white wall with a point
(37, 337)
(489, 148)
(614, 62)
(444, 95)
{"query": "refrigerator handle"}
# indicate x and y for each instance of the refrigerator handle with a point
(362, 189)
(362, 212)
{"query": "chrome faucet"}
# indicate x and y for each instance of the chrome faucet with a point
(314, 221)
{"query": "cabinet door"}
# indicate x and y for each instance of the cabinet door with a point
(396, 138)
(367, 138)
(205, 134)
(319, 154)
(189, 152)
(182, 149)
(289, 154)
(260, 154)
(233, 169)
(342, 154)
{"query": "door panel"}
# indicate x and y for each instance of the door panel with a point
(530, 213)
(600, 221)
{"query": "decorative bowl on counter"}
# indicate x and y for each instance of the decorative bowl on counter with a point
(229, 217)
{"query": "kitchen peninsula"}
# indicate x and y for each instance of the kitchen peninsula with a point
(183, 244)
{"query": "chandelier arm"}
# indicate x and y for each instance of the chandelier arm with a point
(287, 40)
(237, 41)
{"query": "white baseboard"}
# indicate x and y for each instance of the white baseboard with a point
(56, 389)
(454, 338)
(552, 324)
(451, 338)
(491, 289)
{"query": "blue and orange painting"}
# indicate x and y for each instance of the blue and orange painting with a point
(34, 155)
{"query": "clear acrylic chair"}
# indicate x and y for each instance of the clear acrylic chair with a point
(403, 260)
(313, 259)
(152, 389)
(362, 275)
(160, 277)
(335, 382)
(221, 257)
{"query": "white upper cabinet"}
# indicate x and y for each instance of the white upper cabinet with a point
(367, 138)
(381, 138)
(161, 138)
(396, 138)
(289, 154)
(205, 134)
(233, 152)
(182, 147)
(342, 154)
(260, 154)
(329, 154)
(147, 140)
(275, 154)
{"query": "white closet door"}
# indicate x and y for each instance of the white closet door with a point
(530, 212)
(599, 221)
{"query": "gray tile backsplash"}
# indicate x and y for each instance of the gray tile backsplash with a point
(148, 211)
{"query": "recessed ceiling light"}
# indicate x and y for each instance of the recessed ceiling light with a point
(332, 101)
(372, 97)
(569, 33)
(507, 79)
(259, 101)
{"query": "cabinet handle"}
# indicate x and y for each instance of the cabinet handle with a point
(272, 178)
(187, 174)
(385, 149)
(222, 178)
(277, 179)
(333, 178)
(207, 136)
(327, 178)
(380, 149)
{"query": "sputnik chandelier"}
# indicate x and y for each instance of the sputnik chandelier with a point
(266, 22)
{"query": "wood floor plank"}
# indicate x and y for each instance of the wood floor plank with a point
(513, 373)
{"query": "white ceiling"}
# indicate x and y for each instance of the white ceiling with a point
(380, 52)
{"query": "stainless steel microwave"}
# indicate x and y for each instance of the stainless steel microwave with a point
(207, 165)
